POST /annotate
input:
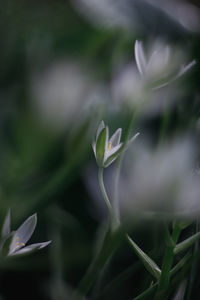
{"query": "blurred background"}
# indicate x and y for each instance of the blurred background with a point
(65, 66)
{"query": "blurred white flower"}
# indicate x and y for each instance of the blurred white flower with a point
(64, 93)
(162, 18)
(127, 85)
(128, 89)
(161, 65)
(187, 14)
(160, 181)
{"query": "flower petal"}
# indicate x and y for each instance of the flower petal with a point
(115, 138)
(140, 57)
(109, 153)
(133, 138)
(181, 72)
(25, 231)
(94, 148)
(184, 69)
(30, 248)
(158, 61)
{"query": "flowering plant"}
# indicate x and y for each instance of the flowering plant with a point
(106, 150)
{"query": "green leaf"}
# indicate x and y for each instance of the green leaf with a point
(147, 293)
(187, 243)
(100, 146)
(149, 264)
(181, 263)
(6, 226)
(6, 246)
(183, 223)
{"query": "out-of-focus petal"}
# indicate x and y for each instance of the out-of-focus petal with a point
(140, 57)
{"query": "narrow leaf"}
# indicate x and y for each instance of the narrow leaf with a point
(149, 264)
(147, 293)
(187, 243)
(6, 225)
(7, 244)
(180, 264)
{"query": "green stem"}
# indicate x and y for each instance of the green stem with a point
(109, 244)
(193, 268)
(103, 190)
(167, 264)
(119, 165)
(163, 126)
(115, 225)
(114, 219)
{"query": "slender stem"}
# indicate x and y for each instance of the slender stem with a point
(119, 165)
(194, 267)
(167, 264)
(103, 190)
(108, 245)
(115, 225)
(164, 126)
(114, 219)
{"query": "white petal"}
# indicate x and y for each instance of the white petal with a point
(30, 248)
(140, 57)
(133, 138)
(184, 69)
(25, 231)
(115, 138)
(94, 148)
(158, 61)
(108, 153)
(107, 139)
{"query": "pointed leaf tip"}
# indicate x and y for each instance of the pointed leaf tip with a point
(99, 129)
(6, 225)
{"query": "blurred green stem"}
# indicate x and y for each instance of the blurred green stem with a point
(105, 250)
(107, 247)
(163, 126)
(114, 222)
(194, 267)
(167, 264)
(119, 165)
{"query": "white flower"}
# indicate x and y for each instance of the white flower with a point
(161, 66)
(107, 149)
(161, 181)
(14, 243)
